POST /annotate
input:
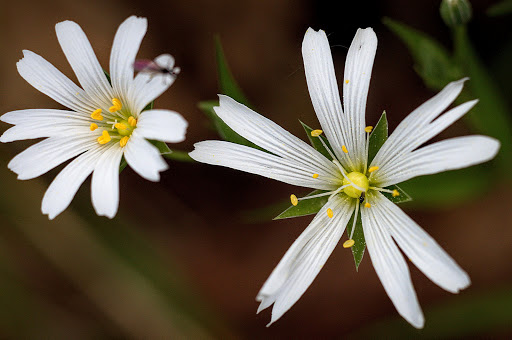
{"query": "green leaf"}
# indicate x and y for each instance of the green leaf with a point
(501, 8)
(227, 83)
(378, 136)
(305, 207)
(358, 237)
(316, 143)
(432, 61)
(222, 128)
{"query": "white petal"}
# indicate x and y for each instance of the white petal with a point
(450, 154)
(47, 154)
(32, 124)
(124, 50)
(323, 90)
(261, 163)
(105, 182)
(82, 59)
(149, 86)
(305, 258)
(163, 125)
(144, 158)
(417, 127)
(61, 191)
(390, 266)
(421, 248)
(358, 71)
(46, 78)
(271, 137)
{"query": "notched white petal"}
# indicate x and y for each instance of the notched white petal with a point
(163, 125)
(105, 182)
(144, 158)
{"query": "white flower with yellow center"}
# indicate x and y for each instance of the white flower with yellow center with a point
(351, 183)
(105, 122)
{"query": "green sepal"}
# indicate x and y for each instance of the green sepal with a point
(402, 198)
(358, 237)
(378, 137)
(306, 207)
(316, 143)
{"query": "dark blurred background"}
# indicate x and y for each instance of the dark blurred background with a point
(186, 257)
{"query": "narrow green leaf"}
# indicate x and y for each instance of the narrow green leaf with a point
(432, 61)
(402, 198)
(358, 237)
(227, 83)
(161, 146)
(501, 8)
(306, 207)
(378, 136)
(316, 143)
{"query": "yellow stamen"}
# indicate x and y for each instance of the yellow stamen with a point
(373, 168)
(93, 126)
(117, 105)
(120, 126)
(346, 81)
(344, 148)
(316, 133)
(348, 243)
(104, 138)
(368, 129)
(132, 121)
(367, 205)
(395, 193)
(294, 199)
(315, 175)
(123, 141)
(330, 213)
(96, 114)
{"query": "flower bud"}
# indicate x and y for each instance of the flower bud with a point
(455, 12)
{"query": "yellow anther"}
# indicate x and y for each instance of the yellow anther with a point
(330, 213)
(120, 126)
(294, 199)
(132, 121)
(348, 243)
(344, 148)
(315, 175)
(367, 205)
(93, 126)
(123, 141)
(368, 129)
(395, 193)
(316, 133)
(116, 105)
(96, 114)
(104, 138)
(373, 168)
(346, 81)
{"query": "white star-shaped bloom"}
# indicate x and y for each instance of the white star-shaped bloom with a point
(105, 122)
(351, 182)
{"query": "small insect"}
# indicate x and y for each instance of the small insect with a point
(162, 65)
(361, 198)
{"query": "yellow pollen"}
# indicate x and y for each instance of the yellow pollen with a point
(395, 193)
(132, 121)
(315, 175)
(117, 105)
(330, 213)
(120, 126)
(123, 141)
(367, 205)
(316, 133)
(368, 129)
(294, 199)
(373, 168)
(93, 126)
(96, 114)
(348, 243)
(346, 81)
(104, 138)
(344, 148)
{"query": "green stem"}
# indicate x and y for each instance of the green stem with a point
(181, 156)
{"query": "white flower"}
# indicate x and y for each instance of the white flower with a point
(347, 176)
(105, 122)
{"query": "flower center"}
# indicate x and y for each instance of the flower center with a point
(118, 125)
(358, 179)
